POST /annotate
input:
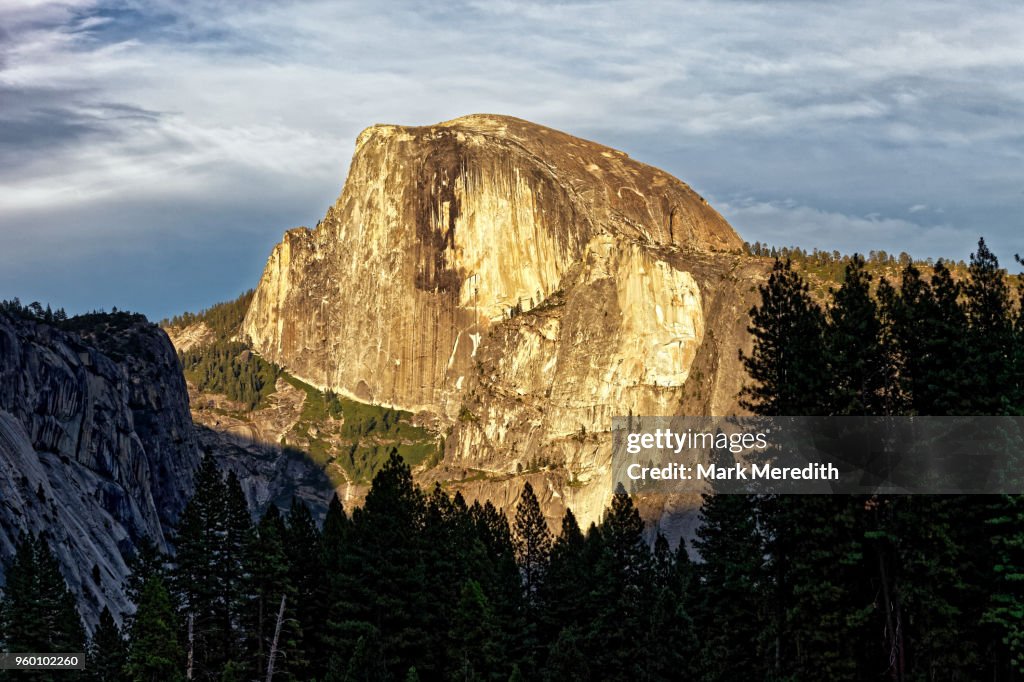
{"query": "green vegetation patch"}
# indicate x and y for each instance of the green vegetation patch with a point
(370, 432)
(231, 369)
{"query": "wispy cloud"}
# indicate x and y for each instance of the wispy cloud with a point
(234, 120)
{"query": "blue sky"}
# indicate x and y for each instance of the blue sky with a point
(151, 153)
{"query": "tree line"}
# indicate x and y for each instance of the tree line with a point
(798, 254)
(223, 319)
(33, 311)
(58, 317)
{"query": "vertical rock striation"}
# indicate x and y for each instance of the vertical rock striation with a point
(96, 446)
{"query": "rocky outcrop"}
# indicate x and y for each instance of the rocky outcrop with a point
(96, 445)
(550, 381)
(186, 337)
(248, 443)
(520, 284)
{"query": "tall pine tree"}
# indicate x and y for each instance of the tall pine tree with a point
(269, 581)
(990, 323)
(383, 573)
(532, 541)
(154, 652)
(108, 653)
(198, 575)
(786, 364)
(855, 361)
(303, 547)
(623, 578)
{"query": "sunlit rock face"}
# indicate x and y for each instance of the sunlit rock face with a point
(521, 284)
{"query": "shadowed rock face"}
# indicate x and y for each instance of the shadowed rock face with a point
(96, 448)
(521, 284)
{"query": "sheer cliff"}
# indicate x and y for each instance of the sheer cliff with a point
(97, 447)
(519, 284)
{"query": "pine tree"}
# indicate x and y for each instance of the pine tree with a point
(567, 661)
(1004, 610)
(948, 378)
(928, 331)
(566, 591)
(935, 554)
(937, 550)
(818, 586)
(336, 668)
(857, 370)
(988, 309)
(108, 653)
(730, 612)
(146, 562)
(532, 541)
(198, 575)
(1005, 606)
(622, 581)
(154, 654)
(303, 547)
(670, 629)
(383, 571)
(476, 653)
(786, 364)
(269, 580)
(453, 555)
(336, 531)
(498, 575)
(234, 580)
(1016, 398)
(368, 662)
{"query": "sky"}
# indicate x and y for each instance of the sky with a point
(152, 153)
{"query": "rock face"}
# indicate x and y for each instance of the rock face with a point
(520, 284)
(96, 446)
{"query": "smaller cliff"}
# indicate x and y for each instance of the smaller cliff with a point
(97, 448)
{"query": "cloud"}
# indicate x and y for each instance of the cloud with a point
(233, 108)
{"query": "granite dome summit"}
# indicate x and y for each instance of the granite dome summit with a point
(472, 218)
